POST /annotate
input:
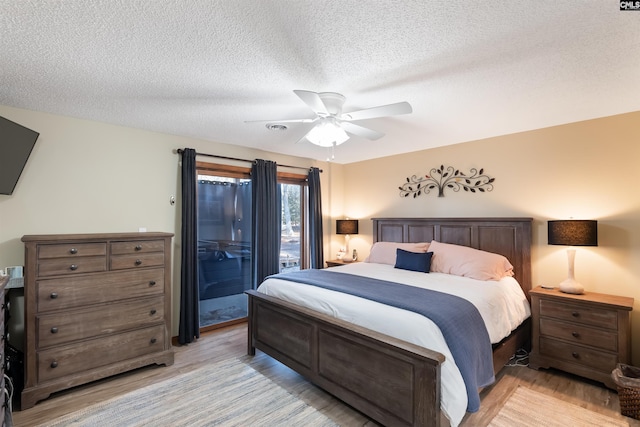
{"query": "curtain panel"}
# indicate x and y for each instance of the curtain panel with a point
(189, 328)
(266, 220)
(316, 246)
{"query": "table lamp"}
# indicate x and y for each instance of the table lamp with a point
(346, 227)
(572, 232)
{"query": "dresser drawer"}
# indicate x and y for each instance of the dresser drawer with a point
(579, 313)
(137, 247)
(74, 358)
(593, 358)
(65, 250)
(121, 262)
(580, 334)
(62, 293)
(61, 328)
(64, 266)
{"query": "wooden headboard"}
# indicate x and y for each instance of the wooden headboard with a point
(510, 237)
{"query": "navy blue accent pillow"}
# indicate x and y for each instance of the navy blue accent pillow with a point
(414, 261)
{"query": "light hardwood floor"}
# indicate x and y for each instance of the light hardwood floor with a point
(231, 342)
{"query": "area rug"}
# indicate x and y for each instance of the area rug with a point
(528, 408)
(227, 393)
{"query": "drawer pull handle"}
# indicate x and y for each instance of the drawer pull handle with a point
(73, 251)
(575, 334)
(54, 364)
(153, 340)
(152, 283)
(575, 314)
(575, 355)
(54, 330)
(153, 311)
(138, 262)
(53, 295)
(138, 247)
(73, 267)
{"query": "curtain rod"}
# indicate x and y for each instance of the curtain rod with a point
(180, 150)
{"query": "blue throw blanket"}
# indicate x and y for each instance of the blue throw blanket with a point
(459, 320)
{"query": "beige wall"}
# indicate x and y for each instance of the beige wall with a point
(584, 170)
(90, 177)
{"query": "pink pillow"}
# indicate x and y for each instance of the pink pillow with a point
(385, 252)
(468, 262)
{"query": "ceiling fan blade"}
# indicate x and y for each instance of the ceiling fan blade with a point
(283, 121)
(313, 100)
(361, 131)
(381, 111)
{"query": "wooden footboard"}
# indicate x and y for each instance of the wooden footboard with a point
(394, 382)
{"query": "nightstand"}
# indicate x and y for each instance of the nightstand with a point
(587, 335)
(337, 262)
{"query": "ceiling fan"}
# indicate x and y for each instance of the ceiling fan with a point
(332, 126)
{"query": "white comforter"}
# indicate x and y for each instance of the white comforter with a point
(502, 305)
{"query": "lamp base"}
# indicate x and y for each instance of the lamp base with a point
(571, 286)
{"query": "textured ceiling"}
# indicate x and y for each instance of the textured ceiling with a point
(201, 68)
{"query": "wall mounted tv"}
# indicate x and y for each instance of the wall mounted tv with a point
(16, 143)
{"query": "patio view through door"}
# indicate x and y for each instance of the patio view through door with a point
(224, 243)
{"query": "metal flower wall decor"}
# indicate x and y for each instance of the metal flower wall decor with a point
(443, 178)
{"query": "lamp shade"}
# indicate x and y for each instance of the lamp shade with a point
(326, 133)
(347, 226)
(573, 232)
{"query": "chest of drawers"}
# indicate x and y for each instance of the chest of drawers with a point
(587, 335)
(95, 305)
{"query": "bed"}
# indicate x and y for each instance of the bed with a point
(392, 380)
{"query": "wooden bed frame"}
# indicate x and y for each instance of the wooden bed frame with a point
(392, 381)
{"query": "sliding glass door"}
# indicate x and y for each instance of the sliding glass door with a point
(224, 248)
(224, 238)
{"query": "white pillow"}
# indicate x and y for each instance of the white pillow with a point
(385, 252)
(468, 262)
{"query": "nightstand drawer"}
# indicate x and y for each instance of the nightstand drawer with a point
(585, 356)
(579, 313)
(580, 334)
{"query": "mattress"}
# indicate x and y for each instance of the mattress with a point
(502, 305)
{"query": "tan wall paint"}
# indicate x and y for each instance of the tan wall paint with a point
(91, 177)
(585, 170)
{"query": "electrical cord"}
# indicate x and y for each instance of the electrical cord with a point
(521, 358)
(8, 393)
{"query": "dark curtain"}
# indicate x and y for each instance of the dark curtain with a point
(189, 328)
(315, 220)
(265, 220)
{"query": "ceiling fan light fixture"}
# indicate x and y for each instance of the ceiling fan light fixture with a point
(327, 134)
